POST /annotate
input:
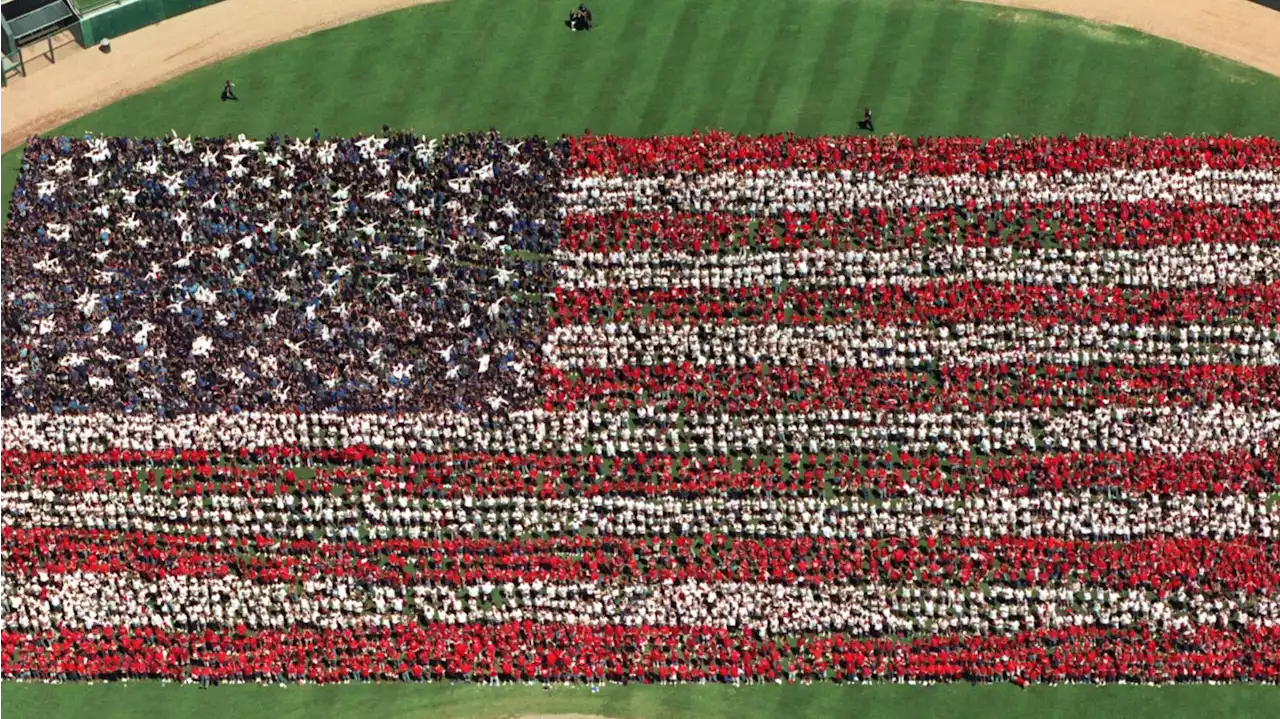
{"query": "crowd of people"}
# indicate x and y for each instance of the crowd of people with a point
(458, 475)
(717, 151)
(175, 275)
(695, 409)
(557, 652)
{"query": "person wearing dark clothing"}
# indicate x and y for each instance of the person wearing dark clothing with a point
(866, 123)
(228, 93)
(579, 19)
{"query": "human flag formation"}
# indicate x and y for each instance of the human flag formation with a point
(699, 409)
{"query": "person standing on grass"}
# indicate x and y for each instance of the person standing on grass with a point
(579, 19)
(866, 120)
(228, 93)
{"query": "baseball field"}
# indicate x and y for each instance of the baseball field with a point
(926, 67)
(656, 67)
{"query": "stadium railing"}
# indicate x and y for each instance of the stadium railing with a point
(7, 43)
(84, 7)
(12, 66)
(31, 27)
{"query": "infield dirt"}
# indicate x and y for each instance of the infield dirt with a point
(1235, 29)
(83, 80)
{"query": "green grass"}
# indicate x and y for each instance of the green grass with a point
(927, 67)
(10, 163)
(441, 701)
(665, 66)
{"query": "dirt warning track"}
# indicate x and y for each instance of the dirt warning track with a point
(82, 81)
(1235, 29)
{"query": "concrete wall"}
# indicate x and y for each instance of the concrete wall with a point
(128, 16)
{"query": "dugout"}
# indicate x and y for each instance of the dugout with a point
(13, 63)
(32, 22)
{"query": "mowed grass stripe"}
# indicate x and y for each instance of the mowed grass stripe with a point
(647, 79)
(446, 700)
(537, 51)
(504, 100)
(628, 39)
(654, 27)
(889, 51)
(1224, 95)
(1005, 80)
(358, 84)
(832, 64)
(1095, 98)
(1183, 102)
(336, 100)
(350, 105)
(1069, 61)
(314, 96)
(719, 20)
(848, 95)
(952, 34)
(772, 72)
(1141, 77)
(310, 94)
(1257, 101)
(485, 71)
(564, 86)
(899, 84)
(985, 55)
(592, 83)
(456, 87)
(672, 72)
(736, 81)
(1036, 69)
(274, 107)
(795, 68)
(706, 83)
(411, 74)
(1158, 96)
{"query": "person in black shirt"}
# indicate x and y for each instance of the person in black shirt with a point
(579, 19)
(866, 120)
(228, 93)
